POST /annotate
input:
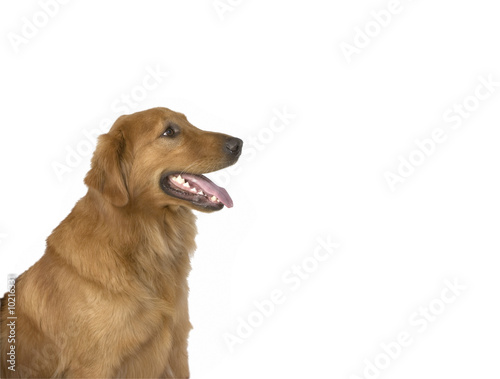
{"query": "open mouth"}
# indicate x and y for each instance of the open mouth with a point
(196, 189)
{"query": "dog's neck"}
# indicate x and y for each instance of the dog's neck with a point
(152, 240)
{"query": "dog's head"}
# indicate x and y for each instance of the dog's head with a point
(157, 158)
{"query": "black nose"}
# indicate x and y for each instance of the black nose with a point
(233, 146)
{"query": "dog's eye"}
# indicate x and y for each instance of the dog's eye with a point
(170, 132)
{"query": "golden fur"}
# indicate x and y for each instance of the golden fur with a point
(109, 298)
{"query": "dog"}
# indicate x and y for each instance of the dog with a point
(109, 297)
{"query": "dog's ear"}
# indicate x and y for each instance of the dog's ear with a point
(106, 174)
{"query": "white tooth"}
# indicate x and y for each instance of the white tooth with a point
(201, 193)
(214, 199)
(193, 190)
(186, 184)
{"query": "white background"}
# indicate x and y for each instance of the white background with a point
(320, 177)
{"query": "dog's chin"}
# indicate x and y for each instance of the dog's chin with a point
(196, 191)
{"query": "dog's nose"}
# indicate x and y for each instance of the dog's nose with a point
(233, 145)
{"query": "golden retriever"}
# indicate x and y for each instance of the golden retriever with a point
(109, 298)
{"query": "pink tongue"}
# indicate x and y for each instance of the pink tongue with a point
(210, 188)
